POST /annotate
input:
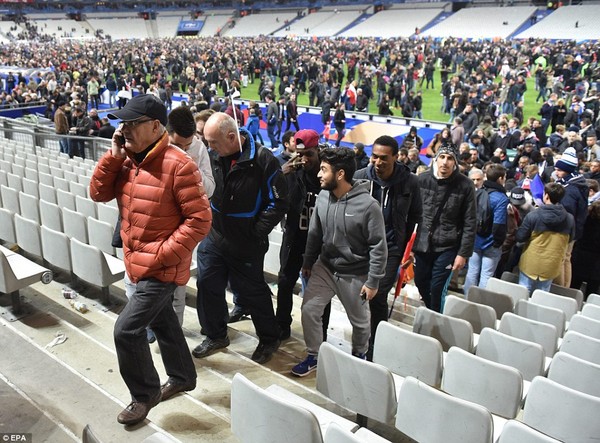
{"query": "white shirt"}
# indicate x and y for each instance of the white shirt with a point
(198, 152)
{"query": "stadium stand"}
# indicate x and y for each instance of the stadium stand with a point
(60, 388)
(479, 23)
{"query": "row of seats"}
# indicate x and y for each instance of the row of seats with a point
(55, 221)
(478, 401)
(16, 273)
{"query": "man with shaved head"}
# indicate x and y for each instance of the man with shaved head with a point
(249, 199)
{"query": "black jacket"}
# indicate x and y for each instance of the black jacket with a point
(404, 194)
(250, 198)
(458, 222)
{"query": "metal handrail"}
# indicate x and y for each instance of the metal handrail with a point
(39, 136)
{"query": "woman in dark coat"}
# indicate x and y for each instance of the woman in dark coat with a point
(586, 253)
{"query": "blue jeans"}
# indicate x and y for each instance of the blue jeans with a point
(151, 305)
(246, 278)
(64, 145)
(532, 284)
(432, 275)
(482, 266)
(271, 129)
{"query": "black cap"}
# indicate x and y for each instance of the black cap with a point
(143, 105)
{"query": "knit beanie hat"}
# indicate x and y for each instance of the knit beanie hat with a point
(448, 149)
(568, 161)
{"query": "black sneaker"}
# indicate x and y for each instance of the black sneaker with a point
(264, 351)
(209, 345)
(237, 313)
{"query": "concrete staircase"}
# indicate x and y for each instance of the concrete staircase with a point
(53, 392)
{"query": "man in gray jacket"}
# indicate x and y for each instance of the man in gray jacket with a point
(345, 254)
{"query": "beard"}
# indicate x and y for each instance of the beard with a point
(329, 185)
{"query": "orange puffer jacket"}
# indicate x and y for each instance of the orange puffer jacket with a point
(164, 210)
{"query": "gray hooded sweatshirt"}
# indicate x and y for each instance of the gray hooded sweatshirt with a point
(348, 234)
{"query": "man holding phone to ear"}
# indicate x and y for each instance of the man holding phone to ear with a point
(164, 214)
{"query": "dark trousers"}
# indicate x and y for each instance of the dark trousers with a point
(290, 256)
(151, 305)
(289, 123)
(246, 278)
(432, 270)
(77, 148)
(379, 304)
(271, 128)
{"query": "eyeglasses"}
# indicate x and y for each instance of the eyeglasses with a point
(134, 123)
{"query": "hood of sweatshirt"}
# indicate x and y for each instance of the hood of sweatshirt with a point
(555, 216)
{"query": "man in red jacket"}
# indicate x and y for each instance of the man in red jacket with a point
(164, 214)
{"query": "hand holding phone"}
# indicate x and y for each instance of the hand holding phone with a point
(118, 144)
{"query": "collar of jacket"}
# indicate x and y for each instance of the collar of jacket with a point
(156, 147)
(493, 185)
(249, 149)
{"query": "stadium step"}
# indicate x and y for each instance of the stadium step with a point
(77, 382)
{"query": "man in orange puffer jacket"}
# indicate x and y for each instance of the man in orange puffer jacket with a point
(164, 213)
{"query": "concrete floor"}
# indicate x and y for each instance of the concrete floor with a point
(53, 392)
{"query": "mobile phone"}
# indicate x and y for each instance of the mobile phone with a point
(121, 139)
(363, 296)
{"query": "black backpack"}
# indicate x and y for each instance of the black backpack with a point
(485, 215)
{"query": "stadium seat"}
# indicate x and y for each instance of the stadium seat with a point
(526, 329)
(566, 304)
(93, 266)
(526, 356)
(514, 290)
(16, 273)
(544, 314)
(7, 226)
(85, 206)
(448, 330)
(593, 299)
(31, 187)
(107, 214)
(428, 415)
(341, 376)
(592, 311)
(47, 193)
(75, 225)
(57, 249)
(51, 216)
(30, 208)
(585, 325)
(10, 199)
(577, 294)
(480, 316)
(100, 235)
(561, 412)
(337, 434)
(581, 346)
(406, 353)
(65, 199)
(516, 432)
(575, 373)
(495, 386)
(500, 302)
(270, 419)
(28, 236)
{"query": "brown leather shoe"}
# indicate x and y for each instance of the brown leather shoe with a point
(137, 411)
(170, 388)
